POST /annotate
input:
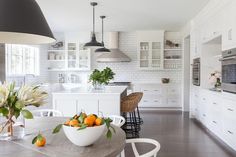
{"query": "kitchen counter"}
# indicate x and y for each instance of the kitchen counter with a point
(91, 91)
(107, 101)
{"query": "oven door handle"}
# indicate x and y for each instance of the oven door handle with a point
(228, 58)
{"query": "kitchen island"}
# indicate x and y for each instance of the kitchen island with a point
(86, 99)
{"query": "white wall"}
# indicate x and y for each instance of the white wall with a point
(126, 71)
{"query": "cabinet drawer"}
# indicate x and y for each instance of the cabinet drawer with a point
(229, 132)
(151, 103)
(173, 102)
(216, 127)
(230, 110)
(151, 97)
(173, 91)
(154, 91)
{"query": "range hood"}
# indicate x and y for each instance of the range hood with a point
(115, 55)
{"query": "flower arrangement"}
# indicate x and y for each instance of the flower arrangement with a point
(215, 79)
(13, 103)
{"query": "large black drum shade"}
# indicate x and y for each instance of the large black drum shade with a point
(22, 22)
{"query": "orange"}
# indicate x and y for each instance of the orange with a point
(93, 117)
(40, 143)
(74, 122)
(98, 121)
(67, 122)
(89, 121)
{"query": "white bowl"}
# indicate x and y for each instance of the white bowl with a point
(84, 137)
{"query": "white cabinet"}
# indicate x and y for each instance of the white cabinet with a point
(229, 28)
(229, 120)
(71, 57)
(99, 103)
(150, 49)
(88, 106)
(66, 105)
(159, 95)
(217, 113)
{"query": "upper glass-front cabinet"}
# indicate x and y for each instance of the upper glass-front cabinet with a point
(72, 58)
(150, 50)
(150, 55)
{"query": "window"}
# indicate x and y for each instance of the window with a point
(22, 59)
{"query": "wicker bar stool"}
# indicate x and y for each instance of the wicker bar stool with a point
(128, 107)
(138, 118)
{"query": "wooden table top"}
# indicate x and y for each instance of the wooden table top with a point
(58, 145)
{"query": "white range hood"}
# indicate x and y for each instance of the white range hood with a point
(115, 55)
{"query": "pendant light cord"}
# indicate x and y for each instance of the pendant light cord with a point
(93, 19)
(102, 31)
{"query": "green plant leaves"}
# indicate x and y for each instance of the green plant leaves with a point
(109, 127)
(4, 111)
(34, 139)
(19, 105)
(57, 128)
(27, 114)
(83, 126)
(39, 137)
(102, 77)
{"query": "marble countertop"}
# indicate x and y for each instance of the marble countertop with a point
(90, 90)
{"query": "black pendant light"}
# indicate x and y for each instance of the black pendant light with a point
(93, 43)
(22, 22)
(103, 49)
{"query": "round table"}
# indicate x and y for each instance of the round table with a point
(58, 145)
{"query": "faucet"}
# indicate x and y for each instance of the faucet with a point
(61, 78)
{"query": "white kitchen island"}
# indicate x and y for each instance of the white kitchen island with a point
(86, 99)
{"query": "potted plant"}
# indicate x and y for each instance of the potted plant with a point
(100, 78)
(13, 105)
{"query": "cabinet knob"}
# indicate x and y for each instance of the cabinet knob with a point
(214, 122)
(214, 103)
(230, 132)
(229, 109)
(145, 101)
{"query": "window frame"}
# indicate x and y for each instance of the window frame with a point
(36, 59)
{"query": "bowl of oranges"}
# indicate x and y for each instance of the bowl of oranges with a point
(83, 129)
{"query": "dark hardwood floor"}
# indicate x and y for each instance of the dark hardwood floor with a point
(179, 136)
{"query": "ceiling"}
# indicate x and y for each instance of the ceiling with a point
(122, 15)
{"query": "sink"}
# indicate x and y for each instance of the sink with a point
(69, 86)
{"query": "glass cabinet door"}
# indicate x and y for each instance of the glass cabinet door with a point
(156, 55)
(84, 56)
(72, 57)
(144, 54)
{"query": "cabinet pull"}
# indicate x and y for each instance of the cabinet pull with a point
(230, 132)
(229, 109)
(204, 115)
(156, 101)
(214, 103)
(145, 101)
(156, 90)
(203, 98)
(214, 122)
(145, 90)
(230, 34)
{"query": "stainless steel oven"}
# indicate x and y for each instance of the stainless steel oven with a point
(196, 72)
(229, 71)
